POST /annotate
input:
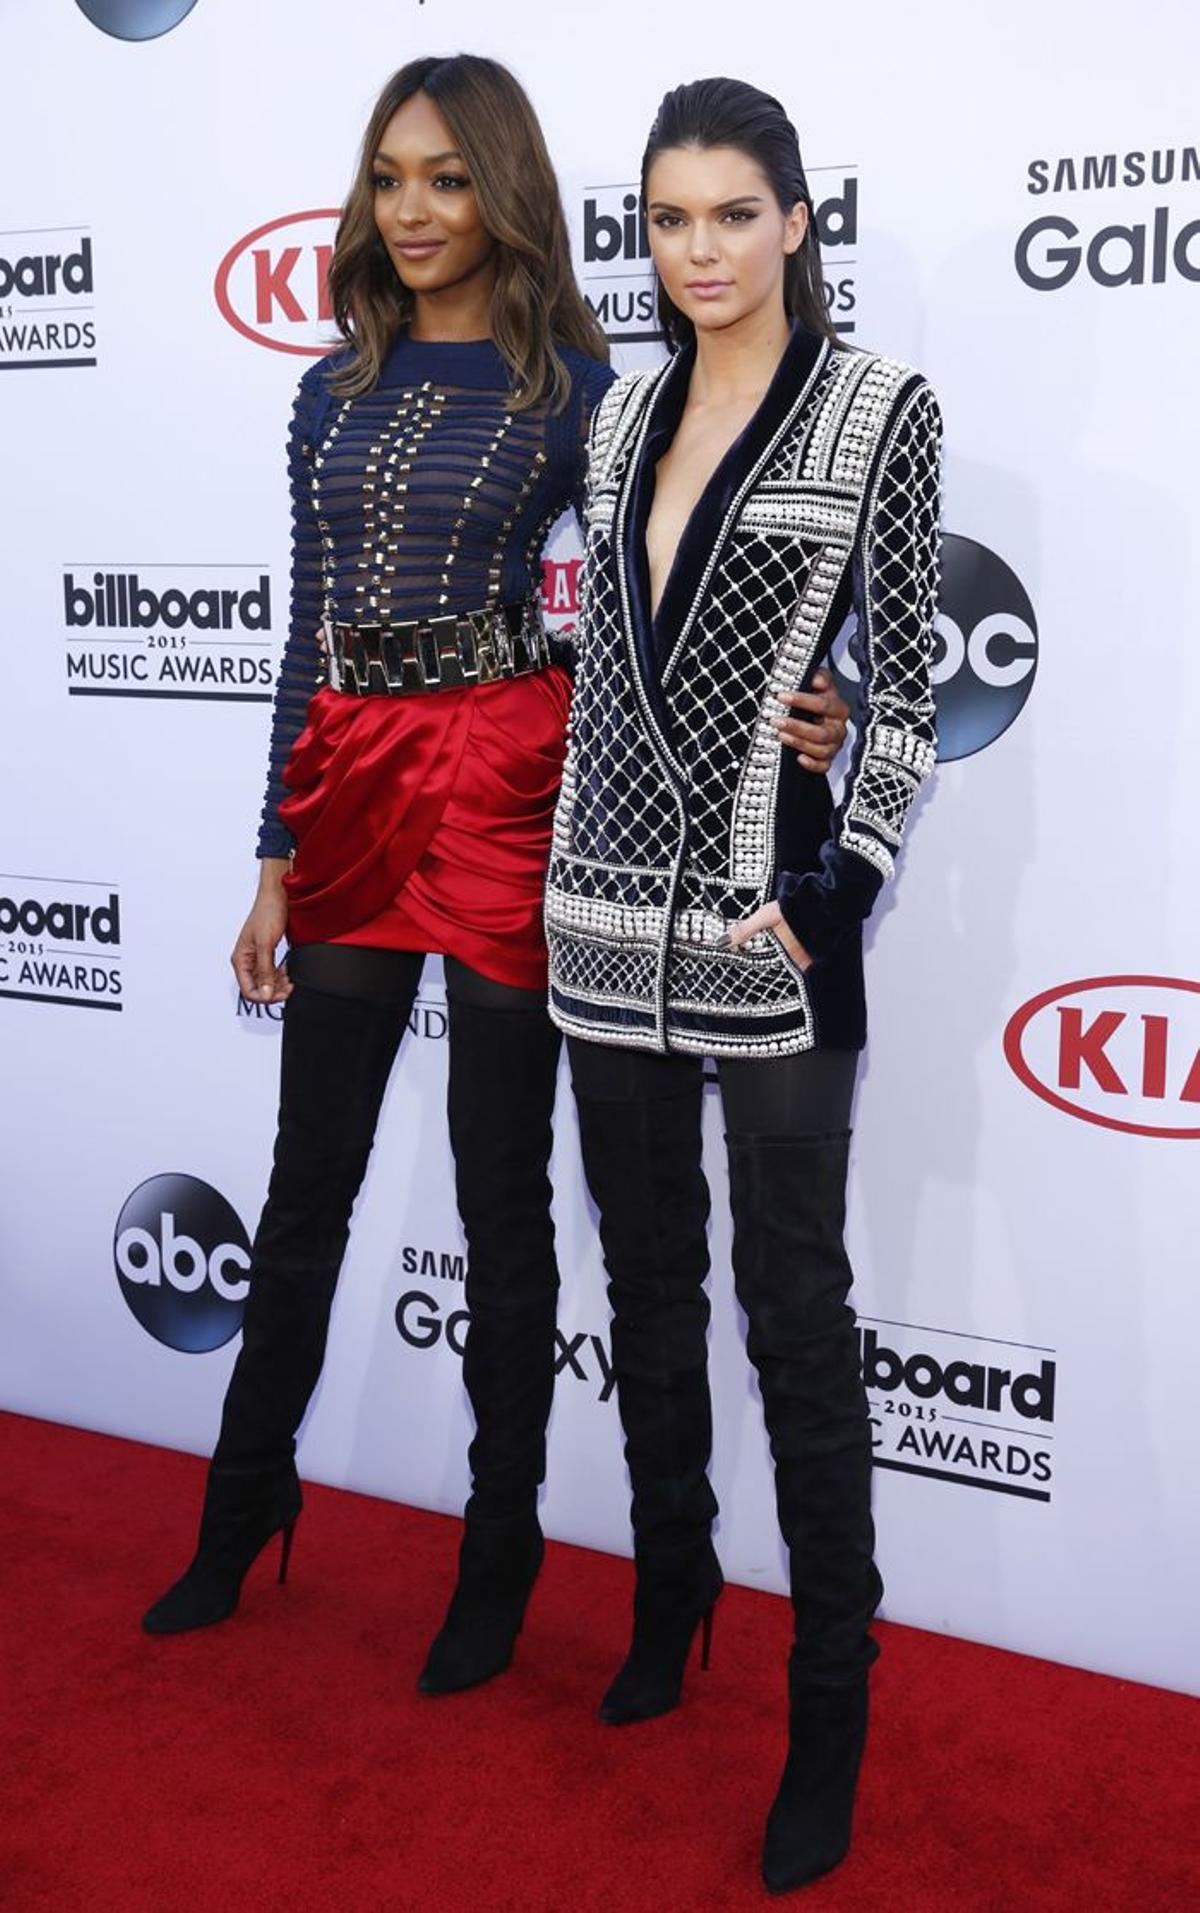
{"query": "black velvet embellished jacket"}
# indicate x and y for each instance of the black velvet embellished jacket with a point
(680, 812)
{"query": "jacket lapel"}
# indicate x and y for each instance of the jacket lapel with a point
(628, 555)
(653, 647)
(702, 546)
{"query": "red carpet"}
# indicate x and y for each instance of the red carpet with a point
(285, 1759)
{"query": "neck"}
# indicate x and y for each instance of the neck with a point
(457, 313)
(739, 361)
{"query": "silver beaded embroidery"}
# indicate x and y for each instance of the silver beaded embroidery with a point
(633, 922)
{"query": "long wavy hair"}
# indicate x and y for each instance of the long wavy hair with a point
(731, 113)
(536, 303)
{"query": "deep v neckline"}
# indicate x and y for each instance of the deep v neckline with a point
(702, 529)
(715, 477)
(655, 640)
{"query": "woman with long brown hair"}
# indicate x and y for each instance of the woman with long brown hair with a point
(409, 805)
(416, 750)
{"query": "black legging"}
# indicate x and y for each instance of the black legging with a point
(342, 1027)
(393, 976)
(809, 1094)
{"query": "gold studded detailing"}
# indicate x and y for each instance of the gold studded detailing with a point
(422, 494)
(420, 500)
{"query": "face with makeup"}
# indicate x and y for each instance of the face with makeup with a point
(718, 235)
(425, 205)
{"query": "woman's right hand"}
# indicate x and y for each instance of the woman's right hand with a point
(259, 978)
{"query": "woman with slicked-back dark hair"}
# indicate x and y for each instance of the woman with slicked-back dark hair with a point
(705, 898)
(728, 113)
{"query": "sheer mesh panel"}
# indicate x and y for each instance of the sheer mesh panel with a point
(418, 492)
(414, 500)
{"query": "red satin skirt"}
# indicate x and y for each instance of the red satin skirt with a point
(423, 823)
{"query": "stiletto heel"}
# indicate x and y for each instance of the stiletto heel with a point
(498, 1565)
(285, 1552)
(808, 1827)
(244, 1509)
(676, 1597)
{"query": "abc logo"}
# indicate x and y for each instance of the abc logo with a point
(135, 19)
(181, 1255)
(986, 650)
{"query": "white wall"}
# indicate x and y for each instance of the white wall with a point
(990, 1226)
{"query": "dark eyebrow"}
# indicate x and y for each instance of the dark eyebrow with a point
(743, 199)
(433, 159)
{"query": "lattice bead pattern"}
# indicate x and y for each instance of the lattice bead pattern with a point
(654, 858)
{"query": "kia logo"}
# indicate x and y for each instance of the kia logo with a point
(182, 1258)
(1121, 1051)
(273, 285)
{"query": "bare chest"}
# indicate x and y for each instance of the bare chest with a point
(682, 476)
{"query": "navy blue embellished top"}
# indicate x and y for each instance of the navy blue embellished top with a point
(424, 495)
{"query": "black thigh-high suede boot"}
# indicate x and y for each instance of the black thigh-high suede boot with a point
(337, 1055)
(503, 1076)
(639, 1126)
(793, 1277)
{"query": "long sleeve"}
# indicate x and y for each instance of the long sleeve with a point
(595, 382)
(592, 381)
(895, 582)
(300, 669)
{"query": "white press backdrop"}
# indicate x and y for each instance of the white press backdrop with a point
(1023, 1210)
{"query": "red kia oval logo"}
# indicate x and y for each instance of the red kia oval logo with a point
(1121, 1051)
(273, 285)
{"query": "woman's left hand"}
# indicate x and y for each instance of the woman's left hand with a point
(817, 730)
(770, 917)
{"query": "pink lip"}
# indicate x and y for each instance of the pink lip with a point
(708, 288)
(418, 248)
